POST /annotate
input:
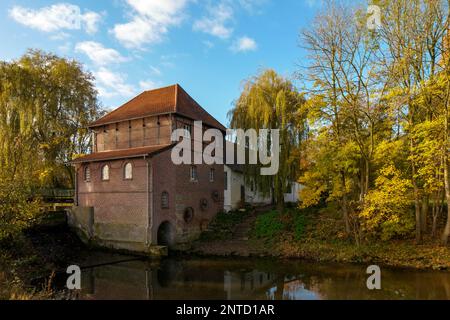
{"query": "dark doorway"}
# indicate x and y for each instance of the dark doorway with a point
(243, 194)
(166, 234)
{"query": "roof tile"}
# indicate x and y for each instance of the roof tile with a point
(122, 153)
(172, 99)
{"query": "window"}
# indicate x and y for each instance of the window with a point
(87, 173)
(187, 127)
(226, 180)
(165, 200)
(211, 175)
(193, 173)
(128, 171)
(105, 173)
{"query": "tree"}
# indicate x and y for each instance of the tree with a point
(411, 45)
(268, 101)
(342, 81)
(46, 103)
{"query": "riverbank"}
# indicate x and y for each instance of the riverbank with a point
(317, 236)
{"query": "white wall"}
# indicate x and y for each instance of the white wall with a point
(232, 196)
(293, 195)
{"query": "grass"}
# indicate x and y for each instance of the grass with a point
(272, 225)
(317, 234)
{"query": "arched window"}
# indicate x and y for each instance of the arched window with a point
(165, 200)
(128, 171)
(105, 172)
(87, 173)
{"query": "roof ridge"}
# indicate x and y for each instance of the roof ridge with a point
(177, 87)
(198, 104)
(117, 109)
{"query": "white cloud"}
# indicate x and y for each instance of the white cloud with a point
(155, 70)
(60, 36)
(111, 84)
(244, 44)
(151, 20)
(252, 6)
(56, 17)
(91, 20)
(216, 22)
(147, 85)
(99, 54)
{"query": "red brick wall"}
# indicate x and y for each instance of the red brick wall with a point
(120, 206)
(118, 202)
(184, 193)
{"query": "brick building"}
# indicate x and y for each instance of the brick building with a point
(129, 194)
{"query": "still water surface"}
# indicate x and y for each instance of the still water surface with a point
(201, 278)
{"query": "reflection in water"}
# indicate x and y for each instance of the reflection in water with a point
(254, 279)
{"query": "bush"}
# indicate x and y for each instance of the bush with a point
(272, 224)
(299, 225)
(17, 210)
(268, 225)
(387, 212)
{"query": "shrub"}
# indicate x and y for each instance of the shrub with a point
(299, 225)
(268, 225)
(17, 210)
(387, 212)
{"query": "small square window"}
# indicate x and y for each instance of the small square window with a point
(188, 130)
(165, 200)
(194, 176)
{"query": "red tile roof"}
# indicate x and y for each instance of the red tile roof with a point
(172, 99)
(123, 153)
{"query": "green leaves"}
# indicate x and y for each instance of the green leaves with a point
(44, 102)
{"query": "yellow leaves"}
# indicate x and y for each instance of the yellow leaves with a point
(386, 212)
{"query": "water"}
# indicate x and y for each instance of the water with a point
(201, 278)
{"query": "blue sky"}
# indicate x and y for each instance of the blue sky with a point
(208, 47)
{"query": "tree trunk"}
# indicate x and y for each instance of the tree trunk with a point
(425, 209)
(446, 233)
(416, 199)
(434, 213)
(366, 187)
(280, 203)
(345, 204)
(279, 189)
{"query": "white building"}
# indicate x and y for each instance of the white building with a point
(236, 190)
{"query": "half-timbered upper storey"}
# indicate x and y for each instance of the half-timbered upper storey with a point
(149, 119)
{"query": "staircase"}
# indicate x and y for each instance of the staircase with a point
(242, 230)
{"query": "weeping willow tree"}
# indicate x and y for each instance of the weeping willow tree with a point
(46, 103)
(269, 101)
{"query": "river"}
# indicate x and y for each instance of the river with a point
(249, 279)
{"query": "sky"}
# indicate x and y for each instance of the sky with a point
(209, 47)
